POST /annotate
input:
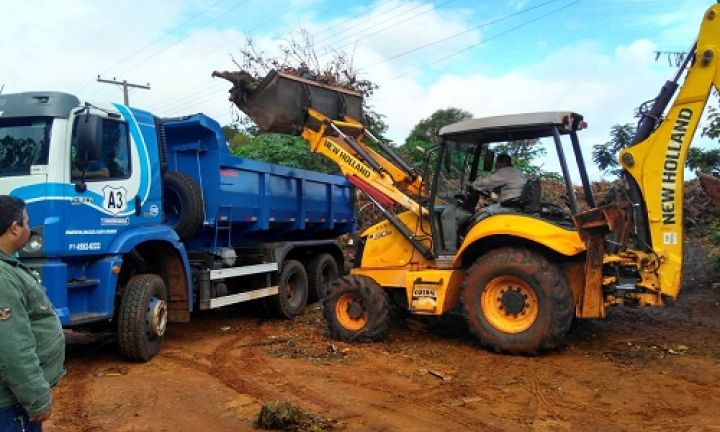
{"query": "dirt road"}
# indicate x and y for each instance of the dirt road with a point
(654, 369)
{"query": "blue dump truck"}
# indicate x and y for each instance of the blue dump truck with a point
(138, 220)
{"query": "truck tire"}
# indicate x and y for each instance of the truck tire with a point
(322, 272)
(142, 317)
(183, 204)
(292, 290)
(357, 309)
(517, 301)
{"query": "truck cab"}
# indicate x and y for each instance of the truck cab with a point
(89, 176)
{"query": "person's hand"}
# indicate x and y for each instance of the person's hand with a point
(39, 418)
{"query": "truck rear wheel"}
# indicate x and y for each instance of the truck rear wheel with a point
(516, 301)
(322, 272)
(292, 290)
(183, 204)
(357, 309)
(142, 317)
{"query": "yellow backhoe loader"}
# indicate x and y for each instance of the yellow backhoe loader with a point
(520, 276)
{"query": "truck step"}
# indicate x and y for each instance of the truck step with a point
(243, 297)
(89, 317)
(83, 284)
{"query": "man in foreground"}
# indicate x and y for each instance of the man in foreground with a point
(32, 345)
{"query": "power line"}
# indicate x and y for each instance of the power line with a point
(478, 27)
(373, 25)
(155, 55)
(410, 18)
(165, 35)
(356, 31)
(273, 18)
(510, 30)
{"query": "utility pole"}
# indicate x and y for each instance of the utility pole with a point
(125, 85)
(674, 58)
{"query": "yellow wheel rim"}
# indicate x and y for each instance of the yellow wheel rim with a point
(350, 313)
(509, 304)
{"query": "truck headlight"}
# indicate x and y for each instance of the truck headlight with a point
(34, 243)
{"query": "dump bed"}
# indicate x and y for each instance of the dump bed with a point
(248, 201)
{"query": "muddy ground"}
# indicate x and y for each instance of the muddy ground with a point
(653, 369)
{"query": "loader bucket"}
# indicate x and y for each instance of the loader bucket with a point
(279, 104)
(711, 186)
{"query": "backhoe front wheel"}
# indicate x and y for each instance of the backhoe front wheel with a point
(357, 309)
(516, 301)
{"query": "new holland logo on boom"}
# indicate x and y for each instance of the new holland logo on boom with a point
(672, 165)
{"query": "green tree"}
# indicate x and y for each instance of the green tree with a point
(281, 149)
(524, 154)
(707, 161)
(605, 155)
(423, 134)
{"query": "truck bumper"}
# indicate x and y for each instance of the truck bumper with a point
(81, 293)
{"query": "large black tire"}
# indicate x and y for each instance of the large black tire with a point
(183, 204)
(142, 317)
(517, 301)
(292, 290)
(357, 309)
(322, 272)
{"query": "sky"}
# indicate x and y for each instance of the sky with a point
(488, 57)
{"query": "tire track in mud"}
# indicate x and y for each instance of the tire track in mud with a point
(236, 365)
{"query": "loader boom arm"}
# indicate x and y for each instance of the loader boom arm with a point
(653, 166)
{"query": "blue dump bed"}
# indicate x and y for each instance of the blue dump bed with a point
(247, 201)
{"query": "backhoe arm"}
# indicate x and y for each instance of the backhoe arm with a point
(654, 165)
(364, 167)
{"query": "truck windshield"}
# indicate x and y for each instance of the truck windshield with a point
(23, 143)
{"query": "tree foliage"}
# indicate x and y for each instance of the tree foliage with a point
(280, 149)
(425, 131)
(605, 155)
(298, 56)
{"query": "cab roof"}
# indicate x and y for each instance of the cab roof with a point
(512, 127)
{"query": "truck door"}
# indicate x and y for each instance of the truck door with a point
(103, 172)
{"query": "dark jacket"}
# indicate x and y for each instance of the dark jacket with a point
(32, 344)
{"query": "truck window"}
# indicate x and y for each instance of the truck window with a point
(23, 143)
(115, 155)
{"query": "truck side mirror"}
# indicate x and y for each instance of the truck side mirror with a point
(89, 137)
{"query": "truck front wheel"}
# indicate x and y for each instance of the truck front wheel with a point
(357, 309)
(517, 301)
(292, 290)
(142, 317)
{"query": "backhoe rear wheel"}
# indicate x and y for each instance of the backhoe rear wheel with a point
(517, 301)
(357, 309)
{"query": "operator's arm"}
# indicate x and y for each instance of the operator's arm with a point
(489, 183)
(20, 370)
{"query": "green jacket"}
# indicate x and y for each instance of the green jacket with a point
(32, 344)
